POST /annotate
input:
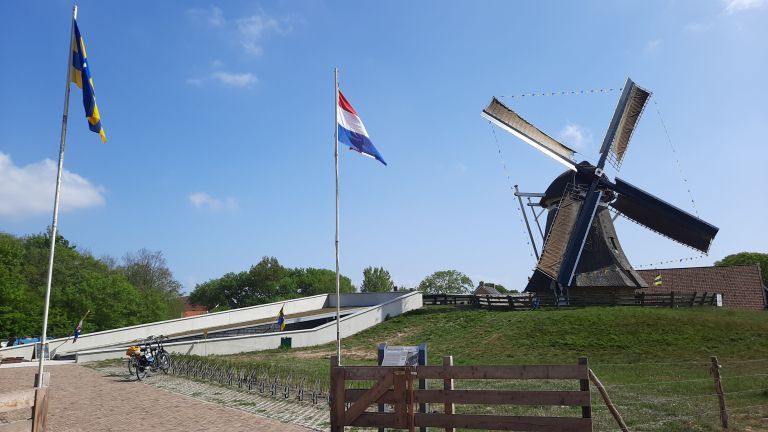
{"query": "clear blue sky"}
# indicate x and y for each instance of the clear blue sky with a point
(219, 118)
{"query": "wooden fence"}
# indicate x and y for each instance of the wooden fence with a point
(395, 386)
(35, 398)
(607, 298)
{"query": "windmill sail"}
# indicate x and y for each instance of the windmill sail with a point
(558, 236)
(503, 117)
(662, 217)
(625, 118)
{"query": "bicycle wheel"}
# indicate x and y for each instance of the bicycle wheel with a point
(163, 361)
(131, 365)
(141, 371)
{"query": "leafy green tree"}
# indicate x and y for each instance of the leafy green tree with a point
(743, 258)
(446, 282)
(266, 282)
(376, 279)
(80, 283)
(148, 271)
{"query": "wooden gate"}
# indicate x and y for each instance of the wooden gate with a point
(394, 386)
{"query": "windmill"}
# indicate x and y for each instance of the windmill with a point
(581, 248)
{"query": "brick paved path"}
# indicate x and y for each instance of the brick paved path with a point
(86, 400)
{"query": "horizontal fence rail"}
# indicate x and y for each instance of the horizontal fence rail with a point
(528, 301)
(394, 386)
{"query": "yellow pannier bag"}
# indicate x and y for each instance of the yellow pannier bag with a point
(134, 350)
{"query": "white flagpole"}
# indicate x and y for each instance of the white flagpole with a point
(54, 224)
(336, 157)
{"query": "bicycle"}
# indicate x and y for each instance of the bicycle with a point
(150, 358)
(163, 358)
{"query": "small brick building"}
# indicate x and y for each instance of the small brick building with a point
(741, 285)
(191, 309)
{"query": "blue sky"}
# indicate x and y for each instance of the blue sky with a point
(219, 118)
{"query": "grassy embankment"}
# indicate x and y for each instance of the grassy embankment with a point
(655, 362)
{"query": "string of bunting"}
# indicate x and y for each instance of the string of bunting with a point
(565, 93)
(677, 159)
(509, 180)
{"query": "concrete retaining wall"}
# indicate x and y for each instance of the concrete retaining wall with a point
(175, 326)
(387, 305)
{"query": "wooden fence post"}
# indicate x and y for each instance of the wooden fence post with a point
(586, 411)
(337, 395)
(40, 410)
(719, 389)
(448, 385)
(672, 299)
(608, 403)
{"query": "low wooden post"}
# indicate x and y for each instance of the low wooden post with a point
(586, 411)
(703, 298)
(715, 369)
(488, 299)
(511, 302)
(448, 385)
(40, 410)
(642, 299)
(337, 395)
(608, 403)
(693, 298)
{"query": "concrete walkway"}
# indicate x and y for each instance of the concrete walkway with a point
(85, 400)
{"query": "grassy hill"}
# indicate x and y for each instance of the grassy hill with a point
(655, 362)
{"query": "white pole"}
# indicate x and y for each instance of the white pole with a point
(54, 224)
(336, 157)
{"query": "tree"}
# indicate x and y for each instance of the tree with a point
(376, 279)
(266, 282)
(743, 258)
(148, 271)
(446, 282)
(80, 282)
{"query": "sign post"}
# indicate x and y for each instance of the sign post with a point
(405, 356)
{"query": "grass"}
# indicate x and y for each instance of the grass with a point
(654, 362)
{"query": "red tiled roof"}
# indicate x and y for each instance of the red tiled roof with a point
(740, 285)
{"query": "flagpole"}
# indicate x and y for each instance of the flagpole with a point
(336, 157)
(54, 224)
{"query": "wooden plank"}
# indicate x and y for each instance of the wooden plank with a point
(355, 373)
(503, 397)
(40, 410)
(17, 400)
(18, 426)
(401, 411)
(586, 409)
(368, 398)
(448, 386)
(336, 393)
(512, 423)
(504, 372)
(375, 419)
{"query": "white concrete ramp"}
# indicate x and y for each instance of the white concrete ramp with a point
(369, 310)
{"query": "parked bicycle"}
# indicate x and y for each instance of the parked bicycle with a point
(148, 357)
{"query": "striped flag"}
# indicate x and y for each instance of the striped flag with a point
(81, 75)
(657, 281)
(352, 132)
(281, 319)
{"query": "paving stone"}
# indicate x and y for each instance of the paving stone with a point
(88, 400)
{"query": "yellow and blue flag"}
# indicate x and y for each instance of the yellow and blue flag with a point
(81, 76)
(657, 281)
(281, 319)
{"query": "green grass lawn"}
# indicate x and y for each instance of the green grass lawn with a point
(654, 362)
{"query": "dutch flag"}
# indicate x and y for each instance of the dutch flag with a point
(352, 131)
(78, 329)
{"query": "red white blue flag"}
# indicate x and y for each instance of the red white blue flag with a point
(78, 329)
(352, 132)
